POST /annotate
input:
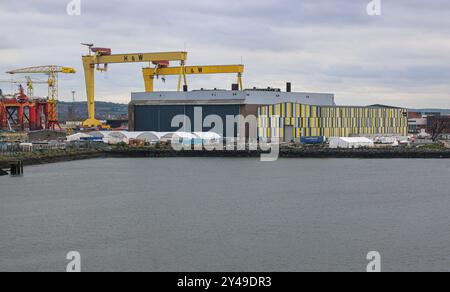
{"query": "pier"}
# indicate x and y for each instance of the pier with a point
(15, 168)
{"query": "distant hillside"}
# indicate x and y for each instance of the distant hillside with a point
(104, 110)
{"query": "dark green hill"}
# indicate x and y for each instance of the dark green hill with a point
(104, 110)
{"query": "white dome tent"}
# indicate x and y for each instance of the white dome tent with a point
(77, 137)
(208, 137)
(123, 137)
(151, 137)
(104, 135)
(182, 137)
(117, 137)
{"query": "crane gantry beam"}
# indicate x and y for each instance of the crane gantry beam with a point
(99, 57)
(44, 70)
(151, 73)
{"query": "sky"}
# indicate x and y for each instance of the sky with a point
(400, 58)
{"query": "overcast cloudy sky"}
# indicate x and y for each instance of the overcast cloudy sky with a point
(399, 58)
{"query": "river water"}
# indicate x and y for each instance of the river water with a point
(216, 214)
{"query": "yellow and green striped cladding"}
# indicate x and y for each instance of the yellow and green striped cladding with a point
(330, 121)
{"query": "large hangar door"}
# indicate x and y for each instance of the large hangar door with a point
(220, 110)
(159, 118)
(166, 114)
(146, 118)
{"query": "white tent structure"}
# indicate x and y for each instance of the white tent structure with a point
(104, 135)
(180, 136)
(350, 142)
(116, 137)
(123, 137)
(151, 137)
(208, 137)
(77, 137)
(100, 134)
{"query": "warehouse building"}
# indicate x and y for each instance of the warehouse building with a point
(290, 121)
(154, 111)
(286, 116)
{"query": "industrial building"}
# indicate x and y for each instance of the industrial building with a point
(286, 116)
(154, 111)
(290, 121)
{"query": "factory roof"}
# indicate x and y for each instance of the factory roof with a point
(252, 97)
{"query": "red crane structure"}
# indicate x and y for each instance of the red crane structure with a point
(51, 103)
(21, 113)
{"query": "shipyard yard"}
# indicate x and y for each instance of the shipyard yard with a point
(167, 215)
(225, 140)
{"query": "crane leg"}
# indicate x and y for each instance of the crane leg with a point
(181, 76)
(240, 82)
(149, 83)
(89, 67)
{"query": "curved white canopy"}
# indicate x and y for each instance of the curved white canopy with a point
(207, 135)
(125, 135)
(150, 136)
(115, 137)
(100, 134)
(77, 137)
(180, 135)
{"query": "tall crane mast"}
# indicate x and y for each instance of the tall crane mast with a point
(100, 58)
(151, 73)
(52, 72)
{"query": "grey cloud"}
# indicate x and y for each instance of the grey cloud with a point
(321, 45)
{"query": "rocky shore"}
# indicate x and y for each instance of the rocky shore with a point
(293, 153)
(62, 156)
(50, 157)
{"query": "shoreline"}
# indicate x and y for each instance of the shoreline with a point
(291, 153)
(30, 159)
(63, 156)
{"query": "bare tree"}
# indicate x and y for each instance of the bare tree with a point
(439, 125)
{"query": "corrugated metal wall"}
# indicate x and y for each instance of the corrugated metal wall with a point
(159, 118)
(330, 121)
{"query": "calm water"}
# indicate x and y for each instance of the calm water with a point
(227, 215)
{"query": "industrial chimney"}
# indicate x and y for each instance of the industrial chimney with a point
(288, 87)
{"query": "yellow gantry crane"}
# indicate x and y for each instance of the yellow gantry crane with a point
(151, 73)
(52, 72)
(99, 58)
